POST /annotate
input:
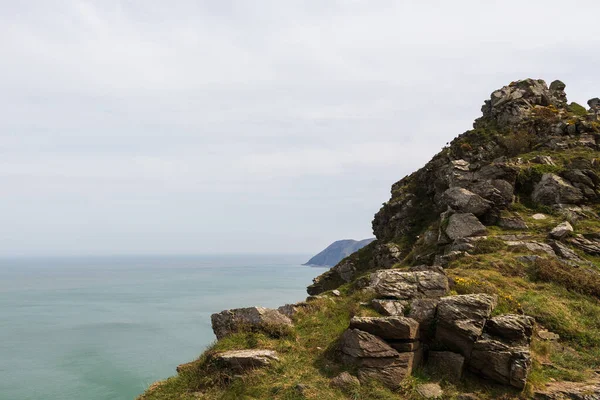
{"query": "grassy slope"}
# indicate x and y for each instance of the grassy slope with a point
(307, 355)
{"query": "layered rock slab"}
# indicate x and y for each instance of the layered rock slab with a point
(250, 318)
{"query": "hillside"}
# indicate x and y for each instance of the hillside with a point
(483, 281)
(337, 251)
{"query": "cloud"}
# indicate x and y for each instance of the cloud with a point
(145, 126)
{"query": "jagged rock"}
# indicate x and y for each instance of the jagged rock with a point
(257, 318)
(561, 230)
(512, 223)
(511, 328)
(546, 335)
(404, 285)
(430, 390)
(463, 201)
(345, 382)
(395, 328)
(447, 364)
(385, 255)
(591, 247)
(424, 311)
(464, 225)
(534, 247)
(501, 362)
(545, 160)
(460, 320)
(363, 345)
(564, 252)
(375, 359)
(388, 307)
(246, 359)
(552, 189)
(589, 390)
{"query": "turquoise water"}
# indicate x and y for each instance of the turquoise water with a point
(106, 328)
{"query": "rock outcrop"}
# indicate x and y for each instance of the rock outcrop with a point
(241, 360)
(251, 318)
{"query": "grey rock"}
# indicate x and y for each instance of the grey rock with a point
(430, 390)
(545, 160)
(388, 307)
(538, 216)
(395, 328)
(509, 365)
(345, 382)
(358, 344)
(424, 312)
(561, 230)
(404, 285)
(464, 225)
(460, 320)
(512, 223)
(565, 252)
(547, 335)
(392, 372)
(464, 201)
(591, 247)
(534, 247)
(511, 328)
(552, 189)
(257, 318)
(241, 360)
(336, 293)
(447, 364)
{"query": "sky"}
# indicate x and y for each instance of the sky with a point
(267, 126)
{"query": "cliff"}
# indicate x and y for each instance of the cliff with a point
(483, 281)
(337, 251)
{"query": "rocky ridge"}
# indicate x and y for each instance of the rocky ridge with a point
(507, 212)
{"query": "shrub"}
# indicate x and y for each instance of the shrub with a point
(517, 143)
(573, 278)
(577, 109)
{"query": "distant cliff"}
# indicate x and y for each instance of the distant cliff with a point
(337, 251)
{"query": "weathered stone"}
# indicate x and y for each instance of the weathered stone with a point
(512, 223)
(464, 201)
(506, 364)
(392, 371)
(591, 247)
(254, 318)
(404, 285)
(538, 216)
(395, 328)
(534, 247)
(561, 230)
(461, 320)
(546, 335)
(404, 346)
(562, 390)
(430, 390)
(464, 225)
(388, 307)
(345, 382)
(246, 359)
(511, 328)
(336, 293)
(447, 364)
(552, 189)
(424, 311)
(359, 344)
(564, 252)
(545, 160)
(290, 310)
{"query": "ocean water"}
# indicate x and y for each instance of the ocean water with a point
(106, 328)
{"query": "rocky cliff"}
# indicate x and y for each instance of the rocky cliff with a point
(337, 251)
(483, 283)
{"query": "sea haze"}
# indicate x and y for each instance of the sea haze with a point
(105, 328)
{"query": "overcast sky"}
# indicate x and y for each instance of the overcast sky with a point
(142, 127)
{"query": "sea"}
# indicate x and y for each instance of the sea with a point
(105, 328)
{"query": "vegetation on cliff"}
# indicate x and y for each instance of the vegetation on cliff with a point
(486, 263)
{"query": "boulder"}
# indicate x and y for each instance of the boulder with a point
(345, 382)
(388, 307)
(561, 230)
(241, 360)
(394, 328)
(591, 247)
(358, 344)
(464, 201)
(430, 390)
(446, 364)
(538, 216)
(460, 320)
(424, 311)
(552, 189)
(253, 318)
(464, 225)
(392, 372)
(404, 285)
(511, 328)
(501, 362)
(564, 252)
(512, 223)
